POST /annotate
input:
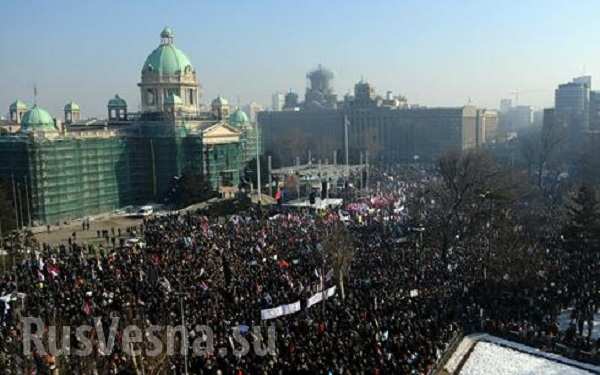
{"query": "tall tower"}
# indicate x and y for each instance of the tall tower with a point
(17, 110)
(117, 109)
(72, 113)
(167, 71)
(220, 108)
(319, 94)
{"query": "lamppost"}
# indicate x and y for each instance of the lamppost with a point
(346, 123)
(258, 182)
(184, 336)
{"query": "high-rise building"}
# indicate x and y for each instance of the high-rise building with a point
(513, 119)
(584, 80)
(277, 101)
(594, 110)
(487, 126)
(505, 105)
(252, 109)
(572, 104)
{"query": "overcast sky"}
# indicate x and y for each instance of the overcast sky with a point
(437, 53)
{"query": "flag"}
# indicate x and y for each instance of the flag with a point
(87, 308)
(53, 270)
(203, 286)
(283, 264)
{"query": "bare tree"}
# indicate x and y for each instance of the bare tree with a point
(471, 189)
(339, 247)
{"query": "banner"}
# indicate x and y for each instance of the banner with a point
(318, 297)
(278, 311)
(273, 313)
(291, 308)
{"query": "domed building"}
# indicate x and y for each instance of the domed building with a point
(37, 120)
(238, 118)
(17, 110)
(72, 112)
(168, 71)
(92, 166)
(220, 108)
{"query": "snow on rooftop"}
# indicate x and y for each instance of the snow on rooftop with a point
(493, 355)
(488, 358)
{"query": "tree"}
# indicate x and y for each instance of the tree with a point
(541, 150)
(188, 189)
(472, 188)
(251, 168)
(582, 231)
(7, 211)
(581, 240)
(339, 247)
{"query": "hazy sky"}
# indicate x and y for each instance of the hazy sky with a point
(437, 53)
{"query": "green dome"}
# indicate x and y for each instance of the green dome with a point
(18, 104)
(117, 101)
(238, 117)
(37, 119)
(167, 60)
(167, 33)
(72, 106)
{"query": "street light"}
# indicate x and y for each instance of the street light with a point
(258, 182)
(346, 123)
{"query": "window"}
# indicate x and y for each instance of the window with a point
(150, 97)
(191, 96)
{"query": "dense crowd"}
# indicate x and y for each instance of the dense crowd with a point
(402, 303)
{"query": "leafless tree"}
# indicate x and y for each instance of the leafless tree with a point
(339, 247)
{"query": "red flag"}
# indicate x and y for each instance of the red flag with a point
(203, 286)
(87, 308)
(53, 270)
(283, 264)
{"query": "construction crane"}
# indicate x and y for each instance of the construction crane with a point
(516, 94)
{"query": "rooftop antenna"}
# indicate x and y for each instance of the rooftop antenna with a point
(238, 102)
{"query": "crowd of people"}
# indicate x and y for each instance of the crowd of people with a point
(402, 305)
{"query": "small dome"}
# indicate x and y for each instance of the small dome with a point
(167, 33)
(173, 99)
(117, 101)
(166, 59)
(18, 104)
(238, 118)
(37, 119)
(72, 106)
(221, 101)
